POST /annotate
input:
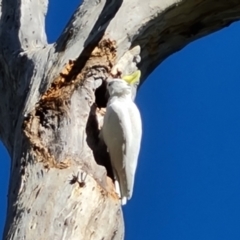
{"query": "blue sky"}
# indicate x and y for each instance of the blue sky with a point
(188, 178)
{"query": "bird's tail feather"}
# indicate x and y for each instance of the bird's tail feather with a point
(121, 187)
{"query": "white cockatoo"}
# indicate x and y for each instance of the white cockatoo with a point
(133, 80)
(122, 133)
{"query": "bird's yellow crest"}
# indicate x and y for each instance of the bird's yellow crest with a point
(133, 78)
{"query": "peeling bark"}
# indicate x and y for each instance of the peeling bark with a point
(53, 99)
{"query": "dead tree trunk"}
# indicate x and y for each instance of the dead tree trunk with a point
(52, 98)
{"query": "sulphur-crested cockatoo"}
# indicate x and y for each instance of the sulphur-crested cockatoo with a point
(122, 133)
(133, 80)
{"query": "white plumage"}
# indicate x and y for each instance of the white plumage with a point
(122, 132)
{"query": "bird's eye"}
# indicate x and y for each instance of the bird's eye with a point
(110, 84)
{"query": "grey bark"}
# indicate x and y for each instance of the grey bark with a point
(51, 111)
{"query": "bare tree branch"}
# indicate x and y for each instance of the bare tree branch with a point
(181, 24)
(164, 27)
(86, 25)
(158, 27)
(22, 34)
(23, 24)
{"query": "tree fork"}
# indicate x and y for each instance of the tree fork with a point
(55, 133)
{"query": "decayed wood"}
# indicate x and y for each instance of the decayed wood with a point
(52, 98)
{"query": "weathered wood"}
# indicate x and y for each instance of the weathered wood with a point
(50, 108)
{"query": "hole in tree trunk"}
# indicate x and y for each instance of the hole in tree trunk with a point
(97, 145)
(101, 95)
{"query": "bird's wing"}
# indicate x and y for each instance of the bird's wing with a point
(114, 138)
(131, 125)
(133, 142)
